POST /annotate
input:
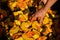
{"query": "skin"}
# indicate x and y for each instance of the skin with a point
(41, 13)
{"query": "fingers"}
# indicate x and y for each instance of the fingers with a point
(36, 16)
(41, 21)
(33, 18)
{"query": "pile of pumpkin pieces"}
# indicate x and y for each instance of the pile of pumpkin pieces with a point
(23, 29)
(28, 29)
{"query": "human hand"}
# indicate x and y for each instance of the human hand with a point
(40, 14)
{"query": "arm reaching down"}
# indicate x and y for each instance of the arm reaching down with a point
(49, 4)
(41, 13)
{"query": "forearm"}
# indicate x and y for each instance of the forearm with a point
(49, 4)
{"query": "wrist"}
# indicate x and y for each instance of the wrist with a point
(45, 9)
